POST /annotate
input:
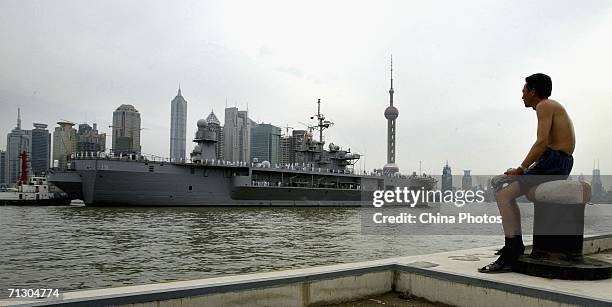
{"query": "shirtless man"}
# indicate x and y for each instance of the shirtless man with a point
(550, 158)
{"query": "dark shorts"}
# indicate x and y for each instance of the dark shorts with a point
(552, 165)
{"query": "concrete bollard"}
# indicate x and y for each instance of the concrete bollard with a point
(558, 219)
(558, 234)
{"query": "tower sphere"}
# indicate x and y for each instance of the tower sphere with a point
(391, 112)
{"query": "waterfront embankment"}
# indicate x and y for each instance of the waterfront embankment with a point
(447, 278)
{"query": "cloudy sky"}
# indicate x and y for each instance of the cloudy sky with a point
(459, 68)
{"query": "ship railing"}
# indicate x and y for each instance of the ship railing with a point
(307, 167)
(116, 156)
(305, 184)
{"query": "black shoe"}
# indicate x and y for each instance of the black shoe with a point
(508, 255)
(501, 265)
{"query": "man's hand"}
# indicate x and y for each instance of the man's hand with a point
(514, 172)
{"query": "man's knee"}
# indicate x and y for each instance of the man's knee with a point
(531, 194)
(502, 197)
(508, 193)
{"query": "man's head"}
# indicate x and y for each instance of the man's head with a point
(537, 87)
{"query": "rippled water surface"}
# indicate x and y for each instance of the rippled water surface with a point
(76, 247)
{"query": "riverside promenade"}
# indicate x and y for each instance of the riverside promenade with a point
(443, 278)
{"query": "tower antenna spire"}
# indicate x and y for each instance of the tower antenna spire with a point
(391, 91)
(18, 118)
(391, 70)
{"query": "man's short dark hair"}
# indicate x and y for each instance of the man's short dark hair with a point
(541, 83)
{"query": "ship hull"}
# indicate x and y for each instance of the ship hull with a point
(138, 183)
(40, 202)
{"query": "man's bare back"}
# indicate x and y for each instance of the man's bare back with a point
(561, 136)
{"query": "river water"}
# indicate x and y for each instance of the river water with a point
(77, 247)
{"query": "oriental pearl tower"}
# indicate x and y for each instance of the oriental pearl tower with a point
(391, 114)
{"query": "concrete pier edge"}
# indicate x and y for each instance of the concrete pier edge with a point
(332, 284)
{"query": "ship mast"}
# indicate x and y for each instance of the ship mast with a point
(322, 123)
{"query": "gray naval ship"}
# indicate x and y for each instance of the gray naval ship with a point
(320, 177)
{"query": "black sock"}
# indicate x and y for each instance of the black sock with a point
(518, 239)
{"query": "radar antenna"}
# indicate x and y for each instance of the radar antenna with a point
(322, 123)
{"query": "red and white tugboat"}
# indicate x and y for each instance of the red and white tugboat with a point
(34, 192)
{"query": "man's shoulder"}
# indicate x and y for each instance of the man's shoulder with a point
(548, 105)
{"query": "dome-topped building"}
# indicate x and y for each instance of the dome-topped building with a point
(126, 130)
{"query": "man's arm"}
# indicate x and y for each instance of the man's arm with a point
(545, 111)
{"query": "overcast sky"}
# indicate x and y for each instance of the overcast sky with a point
(459, 67)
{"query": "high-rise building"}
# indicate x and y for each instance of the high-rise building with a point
(17, 141)
(466, 181)
(391, 114)
(2, 166)
(284, 148)
(215, 125)
(598, 189)
(41, 149)
(89, 140)
(220, 145)
(289, 145)
(178, 128)
(236, 135)
(126, 130)
(447, 178)
(265, 141)
(64, 143)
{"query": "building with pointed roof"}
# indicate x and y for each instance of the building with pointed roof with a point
(17, 141)
(212, 118)
(215, 125)
(178, 128)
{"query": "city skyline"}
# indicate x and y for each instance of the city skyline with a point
(212, 118)
(457, 72)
